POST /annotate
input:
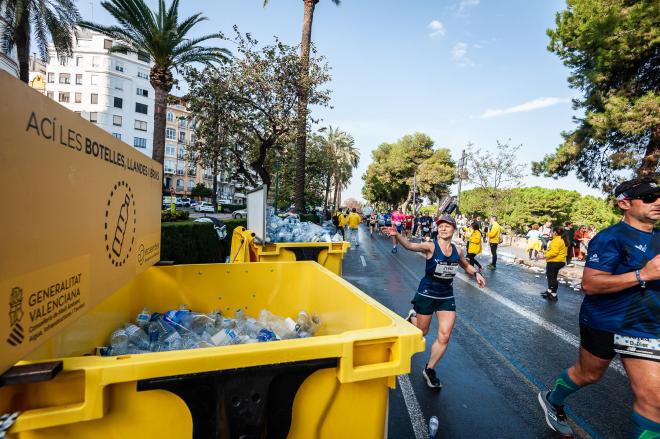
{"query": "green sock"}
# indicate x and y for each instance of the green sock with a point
(562, 389)
(644, 427)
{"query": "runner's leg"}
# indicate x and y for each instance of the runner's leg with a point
(645, 382)
(446, 321)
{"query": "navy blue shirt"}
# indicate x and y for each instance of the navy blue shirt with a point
(634, 311)
(439, 273)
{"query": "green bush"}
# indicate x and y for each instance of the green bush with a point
(191, 243)
(228, 208)
(167, 215)
(311, 217)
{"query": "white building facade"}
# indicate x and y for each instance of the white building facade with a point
(8, 60)
(111, 90)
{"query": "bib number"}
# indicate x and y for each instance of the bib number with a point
(426, 229)
(637, 346)
(398, 223)
(445, 271)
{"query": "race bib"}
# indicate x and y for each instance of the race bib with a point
(637, 346)
(426, 229)
(445, 271)
(398, 223)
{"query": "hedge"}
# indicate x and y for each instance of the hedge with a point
(231, 207)
(195, 243)
(178, 215)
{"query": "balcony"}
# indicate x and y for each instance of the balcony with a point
(208, 176)
(191, 173)
(179, 172)
(168, 171)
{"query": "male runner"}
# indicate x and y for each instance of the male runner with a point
(425, 224)
(398, 221)
(620, 312)
(435, 294)
(373, 222)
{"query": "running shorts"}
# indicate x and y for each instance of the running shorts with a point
(600, 343)
(427, 306)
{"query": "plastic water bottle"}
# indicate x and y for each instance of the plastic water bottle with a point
(136, 336)
(168, 336)
(200, 322)
(225, 337)
(143, 318)
(119, 342)
(239, 317)
(434, 424)
(265, 335)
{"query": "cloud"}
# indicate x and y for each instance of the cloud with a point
(459, 50)
(465, 4)
(534, 104)
(437, 29)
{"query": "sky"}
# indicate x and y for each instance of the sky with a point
(458, 70)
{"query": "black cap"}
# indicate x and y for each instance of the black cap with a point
(447, 219)
(636, 188)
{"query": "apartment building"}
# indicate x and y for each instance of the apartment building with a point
(110, 89)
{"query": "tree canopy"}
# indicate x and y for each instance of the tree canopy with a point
(613, 49)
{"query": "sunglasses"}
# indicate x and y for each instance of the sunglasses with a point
(647, 199)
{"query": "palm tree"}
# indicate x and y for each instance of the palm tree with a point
(163, 37)
(57, 18)
(303, 93)
(341, 147)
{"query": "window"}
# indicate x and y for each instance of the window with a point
(94, 80)
(191, 184)
(170, 116)
(170, 133)
(79, 61)
(116, 120)
(93, 116)
(65, 78)
(141, 108)
(79, 79)
(118, 102)
(193, 139)
(143, 57)
(51, 77)
(119, 67)
(143, 75)
(96, 61)
(117, 83)
(143, 92)
(139, 142)
(107, 44)
(182, 152)
(169, 166)
(179, 184)
(64, 61)
(64, 97)
(78, 98)
(182, 122)
(94, 98)
(49, 94)
(179, 169)
(170, 149)
(140, 125)
(182, 137)
(116, 135)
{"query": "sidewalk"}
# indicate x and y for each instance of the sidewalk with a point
(519, 256)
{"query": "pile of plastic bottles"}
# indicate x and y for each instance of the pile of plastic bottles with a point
(185, 329)
(291, 229)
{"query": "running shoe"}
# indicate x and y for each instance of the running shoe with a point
(491, 267)
(394, 250)
(554, 416)
(431, 379)
(545, 294)
(552, 297)
(411, 314)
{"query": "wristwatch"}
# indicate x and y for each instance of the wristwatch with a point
(642, 283)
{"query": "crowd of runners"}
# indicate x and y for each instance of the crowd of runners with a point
(620, 313)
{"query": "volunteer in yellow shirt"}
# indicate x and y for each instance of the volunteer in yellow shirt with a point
(474, 245)
(555, 258)
(353, 221)
(494, 234)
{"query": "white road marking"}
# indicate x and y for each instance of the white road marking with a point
(414, 410)
(364, 263)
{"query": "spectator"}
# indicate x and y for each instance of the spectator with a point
(546, 235)
(534, 242)
(568, 239)
(578, 238)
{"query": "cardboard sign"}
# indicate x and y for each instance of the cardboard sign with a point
(80, 218)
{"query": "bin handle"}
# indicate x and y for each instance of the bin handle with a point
(90, 408)
(348, 372)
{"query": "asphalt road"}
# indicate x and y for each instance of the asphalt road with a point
(508, 343)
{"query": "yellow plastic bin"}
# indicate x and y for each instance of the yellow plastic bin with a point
(328, 254)
(330, 386)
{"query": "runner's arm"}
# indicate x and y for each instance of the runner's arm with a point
(423, 247)
(601, 282)
(469, 269)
